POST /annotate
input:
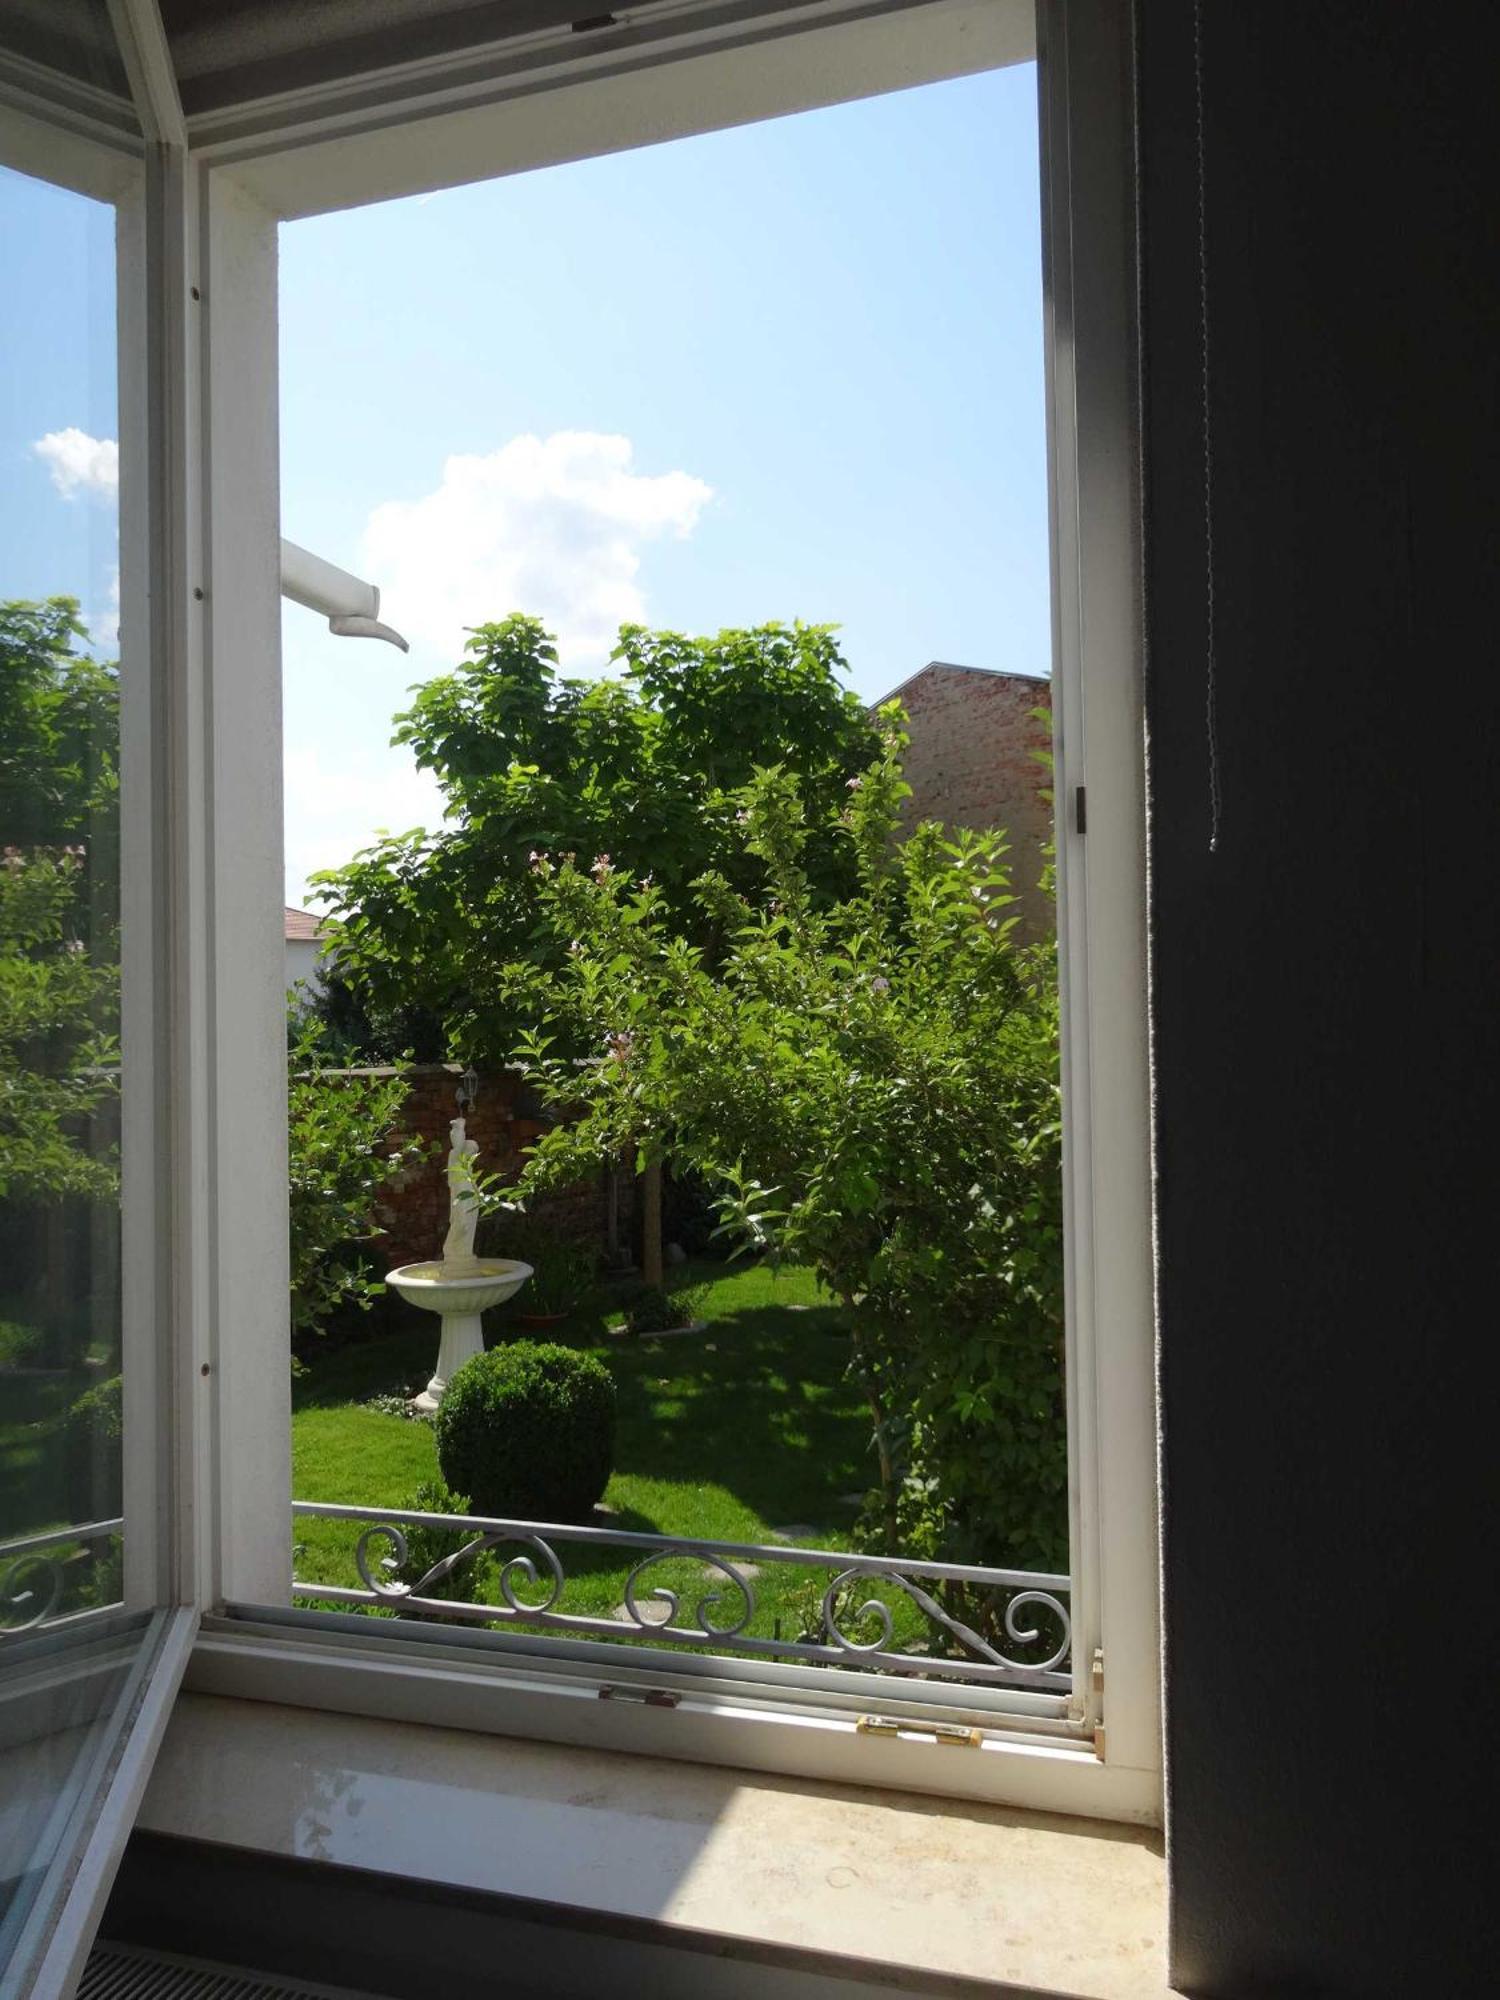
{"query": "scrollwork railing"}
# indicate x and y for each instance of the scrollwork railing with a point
(946, 1620)
(33, 1574)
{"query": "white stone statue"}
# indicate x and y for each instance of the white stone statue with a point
(463, 1200)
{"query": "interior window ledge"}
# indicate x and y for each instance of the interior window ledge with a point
(397, 1674)
(735, 1862)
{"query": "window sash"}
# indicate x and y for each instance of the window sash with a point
(416, 1676)
(226, 1048)
(125, 1663)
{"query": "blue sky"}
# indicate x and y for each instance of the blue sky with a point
(58, 406)
(788, 371)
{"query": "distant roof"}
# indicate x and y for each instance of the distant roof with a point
(957, 667)
(302, 924)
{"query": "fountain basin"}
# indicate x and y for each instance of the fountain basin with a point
(459, 1292)
(450, 1288)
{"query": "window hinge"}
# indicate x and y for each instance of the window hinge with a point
(1081, 808)
(954, 1734)
(651, 1697)
(1096, 1683)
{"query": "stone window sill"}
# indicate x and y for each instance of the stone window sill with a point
(863, 1881)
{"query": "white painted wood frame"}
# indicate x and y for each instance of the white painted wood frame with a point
(80, 139)
(217, 1264)
(309, 156)
(1089, 250)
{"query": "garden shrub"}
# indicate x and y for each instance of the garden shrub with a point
(527, 1431)
(91, 1433)
(426, 1546)
(96, 1577)
(342, 1159)
(561, 1270)
(651, 1310)
(20, 1345)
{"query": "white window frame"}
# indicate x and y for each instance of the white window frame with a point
(78, 138)
(681, 66)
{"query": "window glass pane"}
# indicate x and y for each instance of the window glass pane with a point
(677, 1008)
(61, 1533)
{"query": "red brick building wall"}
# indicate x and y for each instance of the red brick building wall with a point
(416, 1206)
(971, 763)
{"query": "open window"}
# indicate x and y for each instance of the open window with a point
(92, 1646)
(203, 1133)
(1079, 1712)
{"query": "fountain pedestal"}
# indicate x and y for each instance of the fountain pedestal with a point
(460, 1291)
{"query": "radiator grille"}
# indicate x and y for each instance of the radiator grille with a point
(126, 1972)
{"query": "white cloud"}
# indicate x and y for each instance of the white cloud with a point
(339, 800)
(104, 626)
(550, 526)
(80, 463)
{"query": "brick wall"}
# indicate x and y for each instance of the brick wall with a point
(971, 763)
(503, 1120)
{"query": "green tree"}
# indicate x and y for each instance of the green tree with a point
(60, 979)
(643, 768)
(344, 1152)
(58, 1054)
(59, 735)
(872, 1086)
(59, 906)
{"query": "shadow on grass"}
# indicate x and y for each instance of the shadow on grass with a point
(581, 1559)
(390, 1354)
(764, 1410)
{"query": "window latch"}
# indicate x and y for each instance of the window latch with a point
(1096, 1682)
(953, 1734)
(649, 1697)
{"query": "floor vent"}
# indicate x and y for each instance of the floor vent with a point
(126, 1972)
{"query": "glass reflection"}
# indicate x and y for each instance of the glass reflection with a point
(63, 1656)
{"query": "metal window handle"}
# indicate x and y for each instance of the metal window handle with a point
(351, 606)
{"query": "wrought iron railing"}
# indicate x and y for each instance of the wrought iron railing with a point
(949, 1621)
(34, 1574)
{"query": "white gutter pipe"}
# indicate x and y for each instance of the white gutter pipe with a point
(351, 607)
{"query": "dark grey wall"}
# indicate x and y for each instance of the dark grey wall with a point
(1325, 984)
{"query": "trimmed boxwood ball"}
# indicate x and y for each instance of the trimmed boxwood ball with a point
(527, 1431)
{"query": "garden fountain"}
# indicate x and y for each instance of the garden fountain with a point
(459, 1286)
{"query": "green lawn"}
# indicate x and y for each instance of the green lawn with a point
(733, 1435)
